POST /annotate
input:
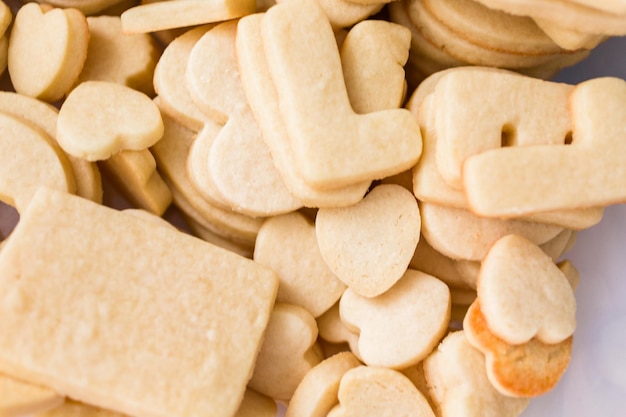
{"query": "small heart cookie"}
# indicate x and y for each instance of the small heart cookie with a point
(317, 393)
(47, 51)
(287, 245)
(288, 352)
(369, 245)
(381, 392)
(101, 118)
(523, 294)
(402, 326)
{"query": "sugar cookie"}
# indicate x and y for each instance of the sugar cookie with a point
(332, 145)
(593, 162)
(76, 409)
(256, 405)
(85, 6)
(94, 337)
(459, 234)
(402, 326)
(47, 51)
(20, 177)
(288, 352)
(333, 330)
(525, 370)
(174, 14)
(263, 100)
(370, 259)
(373, 55)
(379, 391)
(346, 13)
(317, 393)
(287, 244)
(455, 372)
(523, 294)
(135, 174)
(125, 59)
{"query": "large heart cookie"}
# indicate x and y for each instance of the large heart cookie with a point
(369, 245)
(523, 294)
(381, 392)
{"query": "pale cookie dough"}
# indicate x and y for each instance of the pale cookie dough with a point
(455, 373)
(152, 306)
(593, 163)
(101, 118)
(523, 294)
(263, 100)
(21, 398)
(525, 370)
(373, 56)
(47, 51)
(287, 244)
(381, 392)
(19, 176)
(136, 176)
(174, 14)
(113, 56)
(288, 353)
(402, 326)
(317, 393)
(332, 145)
(369, 245)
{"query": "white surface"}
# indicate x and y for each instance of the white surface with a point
(595, 383)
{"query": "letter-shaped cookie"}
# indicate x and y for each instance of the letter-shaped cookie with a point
(47, 51)
(332, 145)
(526, 370)
(288, 352)
(263, 100)
(123, 304)
(317, 393)
(521, 111)
(20, 398)
(402, 326)
(455, 373)
(523, 294)
(101, 118)
(287, 245)
(373, 391)
(588, 173)
(369, 245)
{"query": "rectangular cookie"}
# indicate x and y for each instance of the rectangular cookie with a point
(113, 311)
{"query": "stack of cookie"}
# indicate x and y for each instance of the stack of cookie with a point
(452, 33)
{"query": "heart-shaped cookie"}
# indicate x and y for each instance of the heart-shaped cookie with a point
(401, 327)
(369, 245)
(287, 245)
(288, 352)
(381, 392)
(47, 51)
(523, 294)
(101, 118)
